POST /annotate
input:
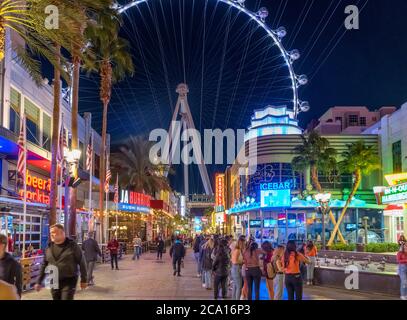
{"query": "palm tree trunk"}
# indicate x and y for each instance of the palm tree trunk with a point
(105, 94)
(75, 141)
(55, 140)
(314, 178)
(102, 165)
(358, 179)
(2, 38)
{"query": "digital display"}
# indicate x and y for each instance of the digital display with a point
(255, 223)
(350, 226)
(270, 223)
(275, 198)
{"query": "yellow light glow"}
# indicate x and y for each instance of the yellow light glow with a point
(393, 179)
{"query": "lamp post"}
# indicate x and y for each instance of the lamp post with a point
(72, 159)
(323, 200)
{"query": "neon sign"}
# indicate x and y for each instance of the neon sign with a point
(396, 193)
(38, 189)
(219, 194)
(134, 198)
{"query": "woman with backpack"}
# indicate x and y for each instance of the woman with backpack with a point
(253, 272)
(291, 261)
(207, 263)
(236, 272)
(311, 253)
(268, 268)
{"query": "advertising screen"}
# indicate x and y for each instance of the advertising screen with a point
(255, 223)
(275, 198)
(270, 223)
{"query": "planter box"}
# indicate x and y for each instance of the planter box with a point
(375, 257)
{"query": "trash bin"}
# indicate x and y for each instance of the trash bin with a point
(360, 247)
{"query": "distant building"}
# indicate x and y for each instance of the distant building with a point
(349, 119)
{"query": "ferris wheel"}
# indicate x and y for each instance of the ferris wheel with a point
(274, 35)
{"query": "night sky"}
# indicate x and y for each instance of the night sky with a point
(232, 68)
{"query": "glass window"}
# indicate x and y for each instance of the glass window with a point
(46, 132)
(33, 118)
(396, 150)
(353, 120)
(15, 107)
(363, 121)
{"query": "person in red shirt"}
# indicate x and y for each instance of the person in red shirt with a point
(113, 247)
(291, 261)
(10, 243)
(402, 261)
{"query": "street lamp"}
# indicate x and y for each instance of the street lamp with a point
(71, 158)
(323, 200)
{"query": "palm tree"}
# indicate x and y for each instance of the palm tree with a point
(359, 160)
(316, 155)
(135, 169)
(86, 9)
(113, 62)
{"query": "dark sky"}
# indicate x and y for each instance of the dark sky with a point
(232, 68)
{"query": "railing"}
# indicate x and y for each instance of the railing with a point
(30, 270)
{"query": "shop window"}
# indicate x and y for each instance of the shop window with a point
(353, 120)
(15, 107)
(33, 119)
(397, 163)
(46, 132)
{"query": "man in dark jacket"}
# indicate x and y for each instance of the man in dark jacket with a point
(160, 248)
(10, 269)
(177, 253)
(221, 266)
(63, 257)
(91, 251)
(196, 247)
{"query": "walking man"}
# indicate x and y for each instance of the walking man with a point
(91, 251)
(10, 269)
(196, 248)
(177, 253)
(113, 247)
(160, 248)
(137, 247)
(66, 256)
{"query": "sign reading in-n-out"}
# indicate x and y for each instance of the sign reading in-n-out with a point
(395, 194)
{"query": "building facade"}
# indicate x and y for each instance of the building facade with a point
(277, 204)
(392, 132)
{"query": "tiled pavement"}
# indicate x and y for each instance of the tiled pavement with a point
(149, 279)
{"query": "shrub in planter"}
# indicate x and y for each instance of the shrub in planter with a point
(382, 247)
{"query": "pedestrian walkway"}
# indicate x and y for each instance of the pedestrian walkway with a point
(149, 279)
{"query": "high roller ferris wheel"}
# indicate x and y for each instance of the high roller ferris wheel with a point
(275, 35)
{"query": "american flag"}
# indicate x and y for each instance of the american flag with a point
(89, 154)
(21, 150)
(116, 190)
(108, 174)
(62, 142)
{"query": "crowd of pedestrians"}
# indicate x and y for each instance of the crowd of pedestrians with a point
(224, 263)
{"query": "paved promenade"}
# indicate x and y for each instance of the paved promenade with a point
(149, 279)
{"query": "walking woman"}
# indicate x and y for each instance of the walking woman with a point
(221, 269)
(237, 262)
(207, 263)
(402, 261)
(279, 279)
(291, 261)
(310, 253)
(253, 272)
(267, 258)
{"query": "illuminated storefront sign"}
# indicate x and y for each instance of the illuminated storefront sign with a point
(38, 189)
(275, 198)
(397, 193)
(220, 192)
(134, 202)
(277, 185)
